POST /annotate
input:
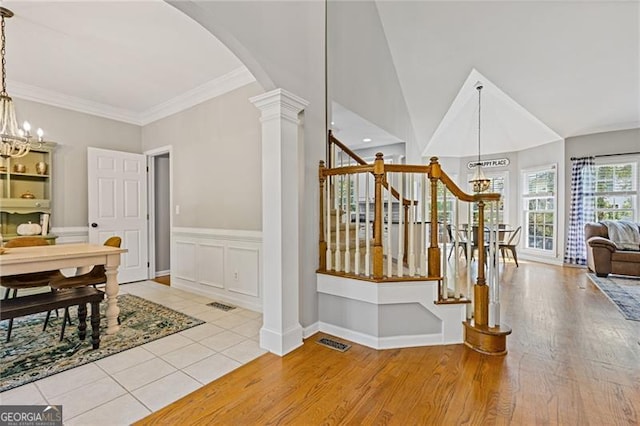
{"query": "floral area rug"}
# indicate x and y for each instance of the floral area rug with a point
(623, 291)
(32, 354)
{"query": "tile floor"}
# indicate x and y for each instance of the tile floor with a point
(125, 387)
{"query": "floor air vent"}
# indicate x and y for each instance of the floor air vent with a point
(221, 306)
(330, 343)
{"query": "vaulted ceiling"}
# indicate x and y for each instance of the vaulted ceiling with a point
(552, 69)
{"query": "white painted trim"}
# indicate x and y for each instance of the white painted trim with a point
(162, 273)
(216, 87)
(75, 234)
(375, 342)
(310, 330)
(549, 260)
(281, 343)
(219, 86)
(212, 293)
(225, 234)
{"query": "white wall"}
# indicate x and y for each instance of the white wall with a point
(216, 161)
(361, 73)
(282, 44)
(74, 132)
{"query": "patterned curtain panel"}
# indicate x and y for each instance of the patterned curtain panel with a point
(583, 186)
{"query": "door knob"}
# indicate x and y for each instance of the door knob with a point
(94, 225)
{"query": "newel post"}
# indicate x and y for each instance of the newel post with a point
(281, 331)
(481, 290)
(433, 252)
(322, 246)
(378, 173)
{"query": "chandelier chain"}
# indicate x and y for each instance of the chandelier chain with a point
(479, 111)
(4, 61)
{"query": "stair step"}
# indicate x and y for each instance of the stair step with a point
(343, 245)
(343, 227)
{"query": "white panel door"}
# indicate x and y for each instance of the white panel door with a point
(118, 206)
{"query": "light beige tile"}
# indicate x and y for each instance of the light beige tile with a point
(28, 394)
(250, 314)
(202, 331)
(123, 360)
(194, 309)
(170, 388)
(245, 351)
(231, 321)
(66, 381)
(211, 315)
(167, 344)
(187, 355)
(222, 341)
(211, 368)
(250, 328)
(121, 411)
(142, 374)
(87, 397)
(200, 299)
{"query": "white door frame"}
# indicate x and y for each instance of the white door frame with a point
(151, 208)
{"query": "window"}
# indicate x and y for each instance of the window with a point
(616, 191)
(539, 203)
(498, 185)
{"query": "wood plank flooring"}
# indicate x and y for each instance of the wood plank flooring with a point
(165, 279)
(573, 360)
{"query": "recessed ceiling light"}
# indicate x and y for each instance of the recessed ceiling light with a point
(366, 140)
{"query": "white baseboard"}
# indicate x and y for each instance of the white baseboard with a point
(310, 330)
(392, 342)
(163, 273)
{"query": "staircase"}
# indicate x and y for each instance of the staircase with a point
(382, 278)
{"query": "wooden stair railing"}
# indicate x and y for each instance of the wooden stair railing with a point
(336, 191)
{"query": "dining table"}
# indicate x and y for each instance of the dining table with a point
(23, 260)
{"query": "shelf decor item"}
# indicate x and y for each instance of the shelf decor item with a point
(29, 229)
(15, 142)
(20, 168)
(28, 195)
(41, 168)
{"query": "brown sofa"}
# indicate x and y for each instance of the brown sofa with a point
(604, 258)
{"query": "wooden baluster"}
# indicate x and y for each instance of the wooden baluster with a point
(423, 243)
(389, 248)
(443, 232)
(347, 220)
(378, 171)
(322, 249)
(357, 231)
(434, 250)
(411, 218)
(480, 290)
(338, 252)
(367, 229)
(401, 226)
(330, 200)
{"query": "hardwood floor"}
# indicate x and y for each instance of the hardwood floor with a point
(165, 279)
(572, 359)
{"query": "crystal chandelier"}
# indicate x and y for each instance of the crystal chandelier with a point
(15, 142)
(480, 182)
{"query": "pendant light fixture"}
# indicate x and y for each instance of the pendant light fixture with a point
(15, 142)
(479, 182)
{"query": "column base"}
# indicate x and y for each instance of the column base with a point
(281, 343)
(486, 340)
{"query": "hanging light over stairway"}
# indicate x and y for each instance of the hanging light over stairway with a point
(480, 182)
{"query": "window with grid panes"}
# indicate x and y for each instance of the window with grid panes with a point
(539, 203)
(616, 191)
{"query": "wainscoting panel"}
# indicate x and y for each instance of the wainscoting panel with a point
(224, 265)
(210, 264)
(185, 261)
(242, 272)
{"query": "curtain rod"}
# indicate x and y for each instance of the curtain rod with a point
(609, 155)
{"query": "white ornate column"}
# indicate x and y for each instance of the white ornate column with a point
(281, 171)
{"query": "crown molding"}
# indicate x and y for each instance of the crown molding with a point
(60, 100)
(219, 86)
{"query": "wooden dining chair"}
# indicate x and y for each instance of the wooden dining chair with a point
(13, 283)
(511, 245)
(96, 276)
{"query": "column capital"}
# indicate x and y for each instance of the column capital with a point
(278, 104)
